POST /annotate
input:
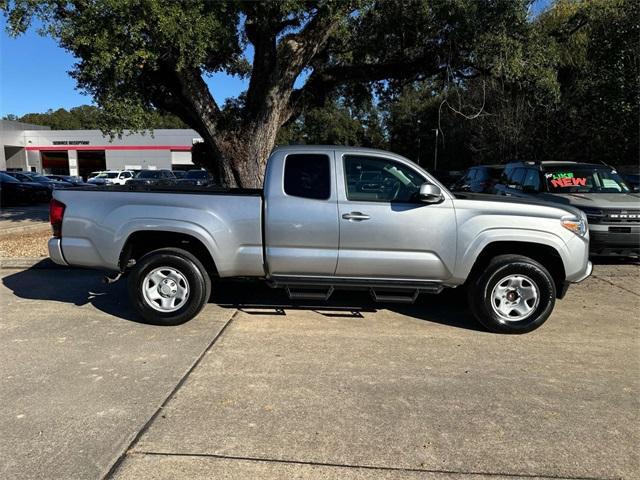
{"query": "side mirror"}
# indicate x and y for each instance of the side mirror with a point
(430, 193)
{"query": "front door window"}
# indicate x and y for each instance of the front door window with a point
(371, 179)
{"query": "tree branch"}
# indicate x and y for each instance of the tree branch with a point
(322, 82)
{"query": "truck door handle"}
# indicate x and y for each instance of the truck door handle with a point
(357, 216)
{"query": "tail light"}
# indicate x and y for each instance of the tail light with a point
(56, 212)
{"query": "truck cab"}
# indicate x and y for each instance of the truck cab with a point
(338, 214)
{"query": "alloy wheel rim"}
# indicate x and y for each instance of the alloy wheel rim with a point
(165, 289)
(515, 298)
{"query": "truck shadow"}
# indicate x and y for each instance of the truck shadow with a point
(81, 287)
(23, 213)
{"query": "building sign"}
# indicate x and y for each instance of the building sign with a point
(71, 142)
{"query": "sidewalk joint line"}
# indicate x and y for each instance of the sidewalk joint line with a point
(367, 467)
(172, 393)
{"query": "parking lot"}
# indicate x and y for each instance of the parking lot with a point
(346, 390)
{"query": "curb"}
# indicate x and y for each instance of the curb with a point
(24, 263)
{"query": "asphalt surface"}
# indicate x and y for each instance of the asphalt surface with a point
(269, 390)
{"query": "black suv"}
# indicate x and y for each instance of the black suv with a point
(611, 205)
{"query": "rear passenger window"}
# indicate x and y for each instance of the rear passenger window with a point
(307, 176)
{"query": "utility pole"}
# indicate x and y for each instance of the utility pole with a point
(435, 154)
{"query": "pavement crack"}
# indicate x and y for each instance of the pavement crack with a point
(616, 285)
(435, 471)
(167, 399)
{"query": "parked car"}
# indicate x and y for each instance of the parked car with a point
(479, 179)
(611, 206)
(631, 175)
(32, 177)
(317, 226)
(74, 181)
(94, 174)
(153, 177)
(179, 174)
(16, 192)
(112, 177)
(448, 177)
(196, 177)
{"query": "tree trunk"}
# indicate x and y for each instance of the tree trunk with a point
(245, 151)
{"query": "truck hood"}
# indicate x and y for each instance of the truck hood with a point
(595, 200)
(502, 200)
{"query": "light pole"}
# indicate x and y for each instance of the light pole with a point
(419, 140)
(435, 153)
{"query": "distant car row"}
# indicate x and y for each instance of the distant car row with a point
(151, 177)
(609, 199)
(29, 187)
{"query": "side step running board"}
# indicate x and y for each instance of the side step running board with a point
(309, 293)
(397, 296)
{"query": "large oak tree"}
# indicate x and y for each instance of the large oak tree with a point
(135, 56)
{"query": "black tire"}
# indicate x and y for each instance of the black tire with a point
(187, 265)
(481, 290)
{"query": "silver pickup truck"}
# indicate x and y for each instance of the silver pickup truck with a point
(327, 218)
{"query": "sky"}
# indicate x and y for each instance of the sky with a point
(34, 74)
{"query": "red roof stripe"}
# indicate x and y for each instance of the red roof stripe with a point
(183, 148)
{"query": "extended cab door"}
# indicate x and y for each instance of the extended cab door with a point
(301, 213)
(385, 230)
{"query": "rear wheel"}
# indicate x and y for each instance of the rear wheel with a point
(169, 286)
(514, 294)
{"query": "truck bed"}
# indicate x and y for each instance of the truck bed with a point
(99, 221)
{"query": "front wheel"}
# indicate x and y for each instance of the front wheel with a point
(514, 294)
(169, 286)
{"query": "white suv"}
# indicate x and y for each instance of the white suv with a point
(113, 177)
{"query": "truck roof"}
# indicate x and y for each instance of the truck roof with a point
(334, 147)
(559, 163)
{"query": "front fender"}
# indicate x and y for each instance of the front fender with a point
(468, 255)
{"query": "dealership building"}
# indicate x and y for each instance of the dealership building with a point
(25, 147)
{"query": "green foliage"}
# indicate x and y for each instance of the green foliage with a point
(565, 89)
(336, 123)
(89, 117)
(599, 71)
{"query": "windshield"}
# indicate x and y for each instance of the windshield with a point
(21, 176)
(7, 178)
(197, 174)
(585, 180)
(40, 178)
(149, 174)
(107, 175)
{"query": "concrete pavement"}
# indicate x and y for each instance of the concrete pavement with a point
(80, 376)
(395, 393)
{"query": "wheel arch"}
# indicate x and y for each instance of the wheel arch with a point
(547, 255)
(141, 242)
